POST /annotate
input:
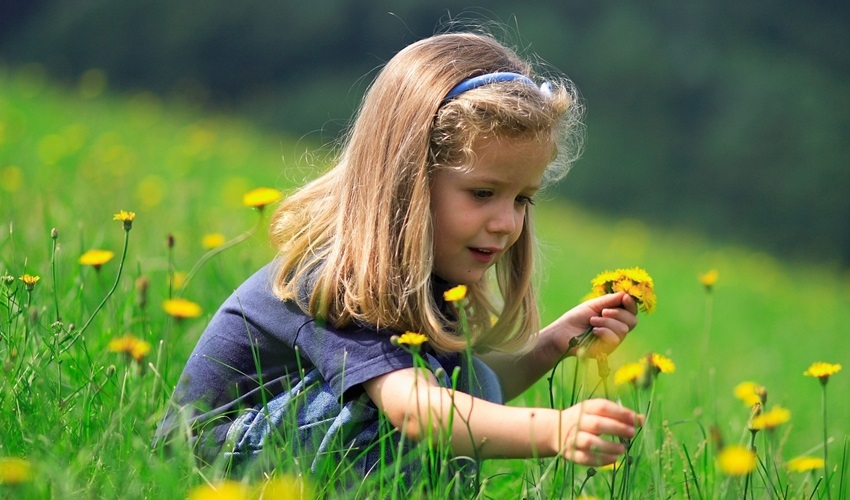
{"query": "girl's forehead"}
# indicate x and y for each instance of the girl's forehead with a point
(508, 160)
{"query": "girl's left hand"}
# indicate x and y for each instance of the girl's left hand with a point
(610, 317)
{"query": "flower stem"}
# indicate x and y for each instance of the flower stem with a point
(55, 284)
(825, 443)
(114, 285)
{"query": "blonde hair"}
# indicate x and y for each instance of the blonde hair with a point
(362, 234)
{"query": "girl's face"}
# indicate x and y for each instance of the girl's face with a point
(479, 208)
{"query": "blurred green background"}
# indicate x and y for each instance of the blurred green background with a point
(725, 117)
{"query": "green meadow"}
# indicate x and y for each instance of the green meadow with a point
(76, 418)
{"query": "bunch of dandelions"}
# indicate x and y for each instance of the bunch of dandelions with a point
(635, 282)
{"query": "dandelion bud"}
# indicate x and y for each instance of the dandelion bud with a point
(439, 373)
(54, 233)
(591, 472)
(761, 392)
(7, 280)
(170, 240)
(110, 371)
(754, 412)
(142, 292)
(394, 340)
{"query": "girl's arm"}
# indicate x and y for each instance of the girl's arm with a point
(612, 317)
(416, 405)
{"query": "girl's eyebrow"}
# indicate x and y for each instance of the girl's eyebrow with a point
(498, 181)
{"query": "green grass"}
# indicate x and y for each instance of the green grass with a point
(71, 157)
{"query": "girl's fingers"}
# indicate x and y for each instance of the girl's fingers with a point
(607, 409)
(589, 449)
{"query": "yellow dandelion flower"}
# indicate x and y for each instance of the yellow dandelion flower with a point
(225, 490)
(660, 363)
(260, 197)
(126, 217)
(708, 279)
(736, 460)
(455, 294)
(29, 281)
(610, 467)
(286, 486)
(773, 418)
(751, 393)
(212, 240)
(412, 339)
(629, 372)
(134, 347)
(633, 281)
(181, 308)
(822, 370)
(96, 258)
(804, 464)
(14, 470)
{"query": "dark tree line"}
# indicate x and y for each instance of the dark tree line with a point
(729, 117)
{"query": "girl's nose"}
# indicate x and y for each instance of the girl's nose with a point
(506, 220)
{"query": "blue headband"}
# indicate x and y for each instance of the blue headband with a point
(478, 81)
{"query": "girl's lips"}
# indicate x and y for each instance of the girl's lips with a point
(483, 255)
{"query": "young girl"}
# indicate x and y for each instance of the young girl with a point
(434, 188)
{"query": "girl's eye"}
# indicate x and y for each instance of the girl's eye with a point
(482, 193)
(525, 200)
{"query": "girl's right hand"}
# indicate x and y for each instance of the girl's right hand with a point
(582, 426)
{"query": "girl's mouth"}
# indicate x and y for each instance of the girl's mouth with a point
(483, 255)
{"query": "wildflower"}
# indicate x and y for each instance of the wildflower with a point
(212, 240)
(286, 486)
(412, 339)
(751, 393)
(14, 470)
(225, 490)
(126, 217)
(29, 281)
(822, 371)
(659, 363)
(134, 347)
(634, 281)
(803, 464)
(96, 258)
(771, 419)
(181, 308)
(629, 372)
(260, 197)
(708, 279)
(455, 294)
(54, 233)
(736, 460)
